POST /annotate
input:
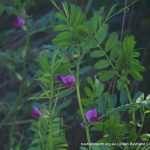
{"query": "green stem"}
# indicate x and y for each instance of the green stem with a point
(51, 134)
(129, 96)
(132, 113)
(143, 119)
(80, 104)
(11, 139)
(56, 100)
(120, 11)
(22, 89)
(24, 72)
(51, 116)
(123, 22)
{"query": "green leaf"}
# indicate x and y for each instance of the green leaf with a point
(77, 17)
(54, 56)
(88, 91)
(145, 137)
(85, 69)
(61, 39)
(97, 53)
(98, 87)
(123, 97)
(123, 108)
(102, 101)
(147, 112)
(86, 101)
(66, 9)
(101, 33)
(107, 75)
(66, 93)
(83, 148)
(60, 27)
(34, 148)
(90, 81)
(60, 16)
(136, 54)
(111, 11)
(121, 85)
(136, 75)
(112, 41)
(35, 141)
(112, 100)
(97, 126)
(128, 45)
(135, 65)
(63, 105)
(138, 97)
(102, 64)
(115, 53)
(101, 147)
(148, 97)
(94, 21)
(62, 36)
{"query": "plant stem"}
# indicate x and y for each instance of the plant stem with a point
(80, 103)
(143, 119)
(133, 112)
(129, 96)
(123, 22)
(56, 100)
(51, 115)
(51, 134)
(21, 89)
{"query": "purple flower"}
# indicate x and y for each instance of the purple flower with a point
(68, 80)
(36, 113)
(69, 56)
(91, 115)
(82, 124)
(18, 22)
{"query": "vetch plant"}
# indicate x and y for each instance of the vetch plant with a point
(53, 131)
(104, 91)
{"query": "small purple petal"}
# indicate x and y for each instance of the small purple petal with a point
(70, 78)
(58, 77)
(82, 125)
(95, 113)
(19, 22)
(36, 113)
(69, 55)
(91, 115)
(68, 81)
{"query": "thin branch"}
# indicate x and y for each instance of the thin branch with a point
(123, 22)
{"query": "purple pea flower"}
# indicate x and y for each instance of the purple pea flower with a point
(82, 124)
(18, 22)
(91, 115)
(37, 113)
(68, 80)
(69, 56)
